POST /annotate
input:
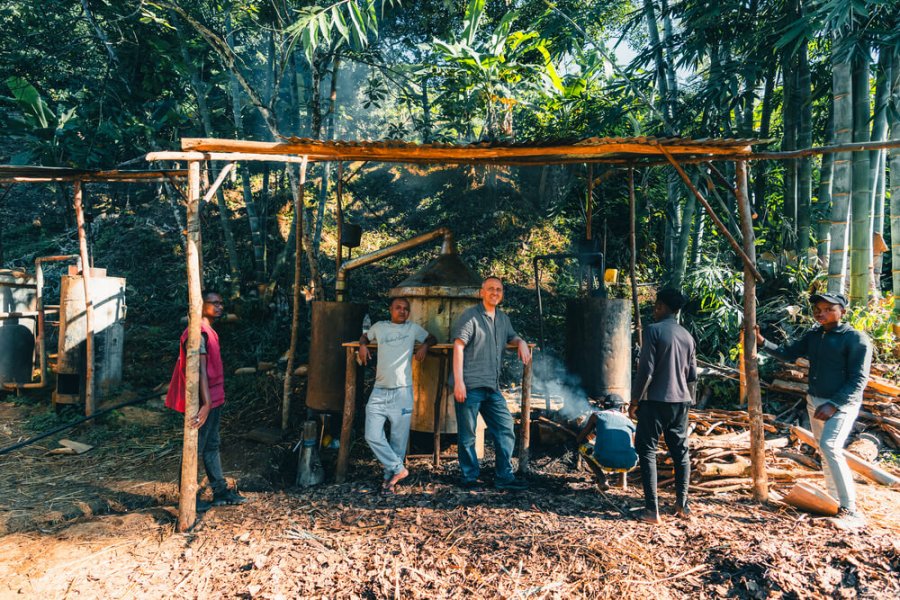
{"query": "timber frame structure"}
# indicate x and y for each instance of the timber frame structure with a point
(626, 153)
(13, 174)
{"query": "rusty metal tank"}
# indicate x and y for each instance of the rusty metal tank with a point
(18, 323)
(438, 294)
(598, 345)
(333, 323)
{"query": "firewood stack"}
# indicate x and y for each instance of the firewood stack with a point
(881, 399)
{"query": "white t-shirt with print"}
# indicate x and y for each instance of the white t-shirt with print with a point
(395, 350)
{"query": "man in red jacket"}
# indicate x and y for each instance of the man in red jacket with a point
(212, 397)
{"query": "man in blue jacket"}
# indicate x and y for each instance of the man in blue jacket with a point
(839, 361)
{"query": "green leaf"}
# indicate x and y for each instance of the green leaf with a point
(472, 18)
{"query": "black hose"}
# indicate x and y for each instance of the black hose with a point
(99, 413)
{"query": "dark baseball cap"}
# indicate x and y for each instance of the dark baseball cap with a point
(613, 401)
(839, 299)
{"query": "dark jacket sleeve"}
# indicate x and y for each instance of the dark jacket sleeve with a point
(645, 365)
(859, 361)
(791, 351)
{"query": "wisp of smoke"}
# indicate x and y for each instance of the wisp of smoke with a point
(552, 380)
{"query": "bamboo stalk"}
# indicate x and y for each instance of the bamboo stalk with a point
(525, 448)
(349, 413)
(751, 369)
(89, 401)
(631, 264)
(295, 319)
(187, 501)
(748, 264)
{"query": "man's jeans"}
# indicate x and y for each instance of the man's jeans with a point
(208, 441)
(394, 406)
(831, 435)
(492, 406)
(671, 420)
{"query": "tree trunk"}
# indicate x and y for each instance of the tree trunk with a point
(201, 89)
(842, 176)
(789, 117)
(762, 166)
(823, 203)
(257, 225)
(804, 165)
(861, 199)
(895, 184)
(326, 173)
(877, 158)
(658, 57)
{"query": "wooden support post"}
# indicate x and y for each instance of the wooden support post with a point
(439, 407)
(343, 458)
(632, 238)
(742, 369)
(187, 501)
(339, 253)
(751, 368)
(295, 318)
(589, 204)
(89, 401)
(525, 433)
(748, 264)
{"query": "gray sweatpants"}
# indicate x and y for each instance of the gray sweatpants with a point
(394, 406)
(831, 435)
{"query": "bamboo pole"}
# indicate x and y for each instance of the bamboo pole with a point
(439, 407)
(295, 319)
(751, 368)
(748, 263)
(187, 501)
(589, 204)
(340, 471)
(525, 446)
(89, 401)
(339, 253)
(632, 211)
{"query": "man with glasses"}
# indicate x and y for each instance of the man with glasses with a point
(212, 397)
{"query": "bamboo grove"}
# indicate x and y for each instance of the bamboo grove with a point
(99, 83)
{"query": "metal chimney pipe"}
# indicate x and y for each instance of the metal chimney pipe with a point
(448, 247)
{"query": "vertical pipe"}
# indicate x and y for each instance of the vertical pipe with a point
(89, 403)
(187, 501)
(295, 318)
(340, 474)
(633, 241)
(339, 253)
(751, 371)
(439, 408)
(525, 446)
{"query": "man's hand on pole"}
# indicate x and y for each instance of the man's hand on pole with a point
(524, 352)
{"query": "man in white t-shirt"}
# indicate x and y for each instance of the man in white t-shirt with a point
(392, 396)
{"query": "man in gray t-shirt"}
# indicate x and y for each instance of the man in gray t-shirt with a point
(392, 397)
(479, 337)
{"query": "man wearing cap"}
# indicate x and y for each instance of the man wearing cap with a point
(614, 437)
(660, 398)
(839, 361)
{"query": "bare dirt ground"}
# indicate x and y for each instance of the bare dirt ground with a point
(101, 525)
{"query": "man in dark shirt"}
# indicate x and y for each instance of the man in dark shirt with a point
(839, 360)
(667, 373)
(479, 337)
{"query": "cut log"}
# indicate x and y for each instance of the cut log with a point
(856, 464)
(739, 468)
(811, 499)
(789, 387)
(866, 446)
(802, 459)
(245, 371)
(883, 386)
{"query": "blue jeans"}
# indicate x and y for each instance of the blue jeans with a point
(394, 406)
(208, 441)
(492, 406)
(831, 435)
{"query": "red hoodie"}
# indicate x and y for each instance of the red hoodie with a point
(215, 373)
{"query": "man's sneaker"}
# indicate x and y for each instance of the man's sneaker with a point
(514, 485)
(848, 519)
(228, 497)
